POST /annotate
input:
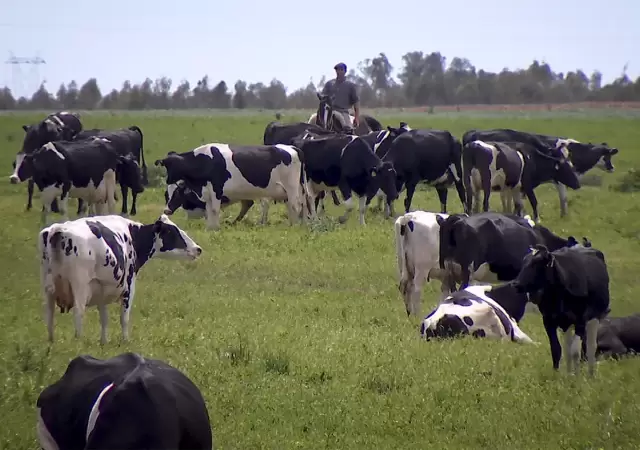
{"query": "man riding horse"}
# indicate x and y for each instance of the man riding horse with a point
(338, 95)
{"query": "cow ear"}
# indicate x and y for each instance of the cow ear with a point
(440, 219)
(613, 151)
(157, 226)
(159, 162)
(374, 172)
(571, 278)
(319, 96)
(571, 241)
(586, 242)
(26, 128)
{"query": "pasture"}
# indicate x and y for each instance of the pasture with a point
(298, 337)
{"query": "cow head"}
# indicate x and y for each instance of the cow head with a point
(563, 170)
(324, 114)
(533, 274)
(22, 168)
(606, 153)
(181, 194)
(453, 229)
(129, 173)
(38, 135)
(385, 179)
(402, 129)
(170, 242)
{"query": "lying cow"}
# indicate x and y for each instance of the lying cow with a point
(123, 402)
(490, 246)
(512, 168)
(127, 142)
(481, 311)
(618, 336)
(81, 169)
(348, 163)
(221, 174)
(94, 261)
(55, 127)
(572, 286)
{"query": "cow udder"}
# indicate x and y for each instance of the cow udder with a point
(63, 294)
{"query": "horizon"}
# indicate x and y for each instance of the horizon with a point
(137, 47)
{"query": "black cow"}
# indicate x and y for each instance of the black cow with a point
(432, 156)
(618, 336)
(219, 175)
(123, 402)
(490, 245)
(512, 168)
(582, 156)
(57, 126)
(127, 142)
(572, 286)
(83, 169)
(349, 164)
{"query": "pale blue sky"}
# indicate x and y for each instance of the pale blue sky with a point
(296, 41)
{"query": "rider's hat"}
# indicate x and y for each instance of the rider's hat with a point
(341, 65)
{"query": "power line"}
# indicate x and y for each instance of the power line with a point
(24, 83)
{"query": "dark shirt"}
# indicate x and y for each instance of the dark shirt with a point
(345, 94)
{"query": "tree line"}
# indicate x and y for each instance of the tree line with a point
(423, 80)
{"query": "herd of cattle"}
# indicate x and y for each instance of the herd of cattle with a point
(94, 260)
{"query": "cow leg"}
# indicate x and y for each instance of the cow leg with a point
(461, 192)
(348, 196)
(104, 319)
(486, 190)
(110, 188)
(134, 198)
(125, 310)
(411, 189)
(336, 200)
(125, 193)
(567, 348)
(81, 296)
(264, 210)
(534, 203)
(30, 185)
(516, 197)
(212, 211)
(245, 206)
(362, 208)
(442, 195)
(81, 207)
(562, 195)
(591, 333)
(554, 343)
(47, 196)
(379, 197)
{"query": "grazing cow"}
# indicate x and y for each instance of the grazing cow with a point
(57, 126)
(489, 245)
(432, 156)
(481, 311)
(349, 164)
(124, 402)
(572, 286)
(325, 118)
(222, 174)
(94, 261)
(618, 336)
(512, 168)
(583, 156)
(81, 169)
(127, 142)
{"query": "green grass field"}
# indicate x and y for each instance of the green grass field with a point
(298, 337)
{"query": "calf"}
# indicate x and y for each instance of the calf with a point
(221, 174)
(432, 156)
(481, 311)
(94, 261)
(57, 126)
(80, 169)
(511, 168)
(618, 336)
(127, 142)
(572, 286)
(489, 245)
(349, 164)
(125, 402)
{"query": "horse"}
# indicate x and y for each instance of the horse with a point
(325, 118)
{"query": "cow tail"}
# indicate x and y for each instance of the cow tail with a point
(303, 181)
(55, 246)
(145, 174)
(404, 268)
(457, 158)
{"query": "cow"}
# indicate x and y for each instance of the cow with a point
(490, 246)
(346, 162)
(324, 117)
(572, 286)
(583, 156)
(125, 402)
(222, 174)
(512, 168)
(618, 336)
(94, 261)
(431, 156)
(127, 142)
(481, 311)
(84, 169)
(61, 125)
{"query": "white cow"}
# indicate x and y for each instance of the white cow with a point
(473, 311)
(94, 261)
(417, 238)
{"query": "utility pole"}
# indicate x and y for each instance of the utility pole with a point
(25, 82)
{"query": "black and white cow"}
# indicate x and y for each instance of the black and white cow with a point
(489, 245)
(583, 156)
(348, 163)
(57, 126)
(513, 168)
(82, 169)
(479, 311)
(221, 174)
(124, 402)
(94, 261)
(572, 286)
(431, 156)
(127, 142)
